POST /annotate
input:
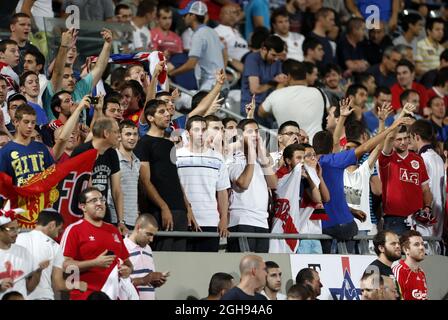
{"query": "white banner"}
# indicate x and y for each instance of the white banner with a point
(339, 274)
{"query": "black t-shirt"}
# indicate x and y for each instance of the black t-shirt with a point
(384, 269)
(106, 165)
(161, 155)
(237, 294)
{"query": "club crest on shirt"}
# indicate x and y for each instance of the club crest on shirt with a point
(415, 164)
(116, 238)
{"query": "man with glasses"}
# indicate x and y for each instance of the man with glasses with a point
(288, 133)
(18, 270)
(93, 247)
(106, 137)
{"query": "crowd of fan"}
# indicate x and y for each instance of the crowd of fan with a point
(360, 112)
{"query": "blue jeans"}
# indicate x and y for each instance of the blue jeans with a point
(343, 233)
(309, 247)
(396, 224)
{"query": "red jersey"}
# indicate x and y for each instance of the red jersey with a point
(134, 117)
(412, 283)
(397, 90)
(83, 241)
(402, 180)
(170, 42)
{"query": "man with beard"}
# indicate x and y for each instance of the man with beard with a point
(402, 173)
(311, 278)
(387, 248)
(93, 246)
(409, 275)
(273, 282)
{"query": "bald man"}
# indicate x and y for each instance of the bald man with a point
(237, 46)
(144, 277)
(253, 279)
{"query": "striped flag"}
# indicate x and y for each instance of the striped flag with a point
(148, 60)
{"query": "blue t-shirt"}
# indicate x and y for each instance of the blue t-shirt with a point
(256, 8)
(22, 162)
(255, 66)
(207, 48)
(384, 6)
(345, 51)
(372, 122)
(41, 116)
(333, 166)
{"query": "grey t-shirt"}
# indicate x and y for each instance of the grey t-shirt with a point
(92, 10)
(207, 47)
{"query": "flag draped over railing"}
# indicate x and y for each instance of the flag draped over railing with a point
(44, 189)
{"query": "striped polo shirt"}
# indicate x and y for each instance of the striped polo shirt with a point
(143, 263)
(130, 172)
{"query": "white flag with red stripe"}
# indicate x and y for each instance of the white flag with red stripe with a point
(287, 205)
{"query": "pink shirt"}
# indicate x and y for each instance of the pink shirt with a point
(170, 42)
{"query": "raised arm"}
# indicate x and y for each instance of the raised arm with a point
(68, 127)
(346, 109)
(103, 58)
(207, 101)
(68, 39)
(373, 142)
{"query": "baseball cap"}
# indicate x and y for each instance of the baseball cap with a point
(195, 7)
(7, 214)
(16, 96)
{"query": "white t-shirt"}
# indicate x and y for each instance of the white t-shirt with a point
(40, 8)
(202, 175)
(298, 103)
(357, 192)
(237, 46)
(141, 38)
(294, 42)
(16, 263)
(6, 116)
(436, 173)
(280, 296)
(42, 248)
(248, 207)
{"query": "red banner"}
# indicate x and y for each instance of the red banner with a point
(48, 188)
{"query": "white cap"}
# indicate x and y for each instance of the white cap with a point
(195, 7)
(7, 215)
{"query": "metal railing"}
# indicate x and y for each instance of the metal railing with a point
(432, 242)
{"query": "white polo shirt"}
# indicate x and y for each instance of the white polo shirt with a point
(248, 207)
(42, 248)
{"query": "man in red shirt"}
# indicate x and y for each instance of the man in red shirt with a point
(405, 80)
(410, 276)
(94, 247)
(163, 39)
(405, 182)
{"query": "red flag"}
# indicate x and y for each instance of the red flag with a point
(41, 190)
